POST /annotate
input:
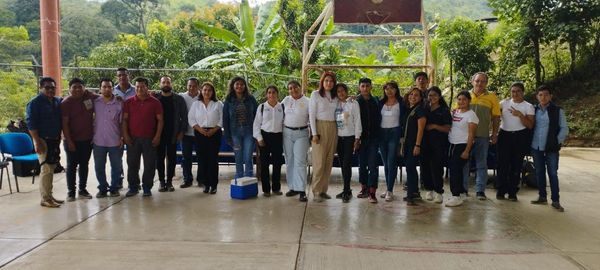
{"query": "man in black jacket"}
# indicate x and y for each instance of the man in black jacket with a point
(175, 126)
(370, 117)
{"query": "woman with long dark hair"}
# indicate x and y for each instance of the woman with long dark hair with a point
(392, 109)
(239, 110)
(413, 121)
(206, 118)
(434, 149)
(324, 134)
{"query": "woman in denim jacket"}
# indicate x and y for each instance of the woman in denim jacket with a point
(239, 110)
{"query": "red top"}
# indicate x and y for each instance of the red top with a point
(81, 116)
(142, 116)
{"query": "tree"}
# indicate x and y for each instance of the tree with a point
(14, 44)
(16, 89)
(464, 42)
(531, 15)
(82, 31)
(125, 13)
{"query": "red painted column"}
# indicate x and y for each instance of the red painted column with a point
(50, 38)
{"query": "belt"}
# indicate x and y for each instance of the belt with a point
(297, 128)
(513, 132)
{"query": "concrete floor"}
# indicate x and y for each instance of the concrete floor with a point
(187, 229)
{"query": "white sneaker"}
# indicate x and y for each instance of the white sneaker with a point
(454, 201)
(438, 198)
(383, 194)
(389, 196)
(464, 196)
(429, 195)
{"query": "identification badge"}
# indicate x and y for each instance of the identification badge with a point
(88, 104)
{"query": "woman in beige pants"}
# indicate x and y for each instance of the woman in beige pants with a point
(321, 111)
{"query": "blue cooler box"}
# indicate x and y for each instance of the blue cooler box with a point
(244, 188)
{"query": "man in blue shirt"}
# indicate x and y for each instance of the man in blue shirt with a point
(549, 133)
(123, 90)
(44, 123)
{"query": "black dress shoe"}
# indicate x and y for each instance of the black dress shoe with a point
(540, 200)
(185, 185)
(213, 190)
(303, 197)
(291, 193)
(206, 189)
(277, 193)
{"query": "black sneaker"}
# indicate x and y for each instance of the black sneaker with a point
(101, 194)
(114, 193)
(291, 193)
(213, 190)
(206, 189)
(131, 192)
(147, 192)
(411, 202)
(500, 197)
(70, 197)
(481, 196)
(185, 185)
(512, 198)
(540, 200)
(417, 196)
(346, 197)
(277, 193)
(303, 197)
(557, 206)
(364, 193)
(340, 195)
(170, 188)
(162, 188)
(84, 194)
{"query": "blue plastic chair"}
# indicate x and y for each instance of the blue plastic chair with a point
(19, 148)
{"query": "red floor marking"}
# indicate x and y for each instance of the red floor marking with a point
(431, 250)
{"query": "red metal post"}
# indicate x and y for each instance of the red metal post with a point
(50, 38)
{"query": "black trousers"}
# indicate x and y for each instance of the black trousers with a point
(271, 154)
(512, 147)
(141, 147)
(345, 150)
(77, 162)
(208, 158)
(456, 169)
(168, 150)
(432, 166)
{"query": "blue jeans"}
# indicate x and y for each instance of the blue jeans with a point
(479, 153)
(116, 167)
(368, 169)
(295, 148)
(546, 162)
(243, 148)
(388, 147)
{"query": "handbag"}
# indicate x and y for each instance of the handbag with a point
(402, 142)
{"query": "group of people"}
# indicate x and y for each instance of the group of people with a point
(415, 130)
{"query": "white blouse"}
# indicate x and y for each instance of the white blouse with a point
(321, 108)
(390, 116)
(296, 111)
(268, 118)
(347, 118)
(206, 116)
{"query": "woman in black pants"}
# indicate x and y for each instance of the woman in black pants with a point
(206, 118)
(435, 144)
(462, 134)
(414, 126)
(349, 128)
(267, 130)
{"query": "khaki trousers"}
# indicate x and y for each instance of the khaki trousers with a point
(322, 156)
(46, 175)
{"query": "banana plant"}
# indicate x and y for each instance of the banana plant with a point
(253, 43)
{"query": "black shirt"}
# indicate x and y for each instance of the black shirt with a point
(411, 125)
(440, 116)
(168, 111)
(370, 117)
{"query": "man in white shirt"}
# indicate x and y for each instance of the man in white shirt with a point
(514, 139)
(187, 143)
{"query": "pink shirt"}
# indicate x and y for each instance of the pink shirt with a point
(107, 122)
